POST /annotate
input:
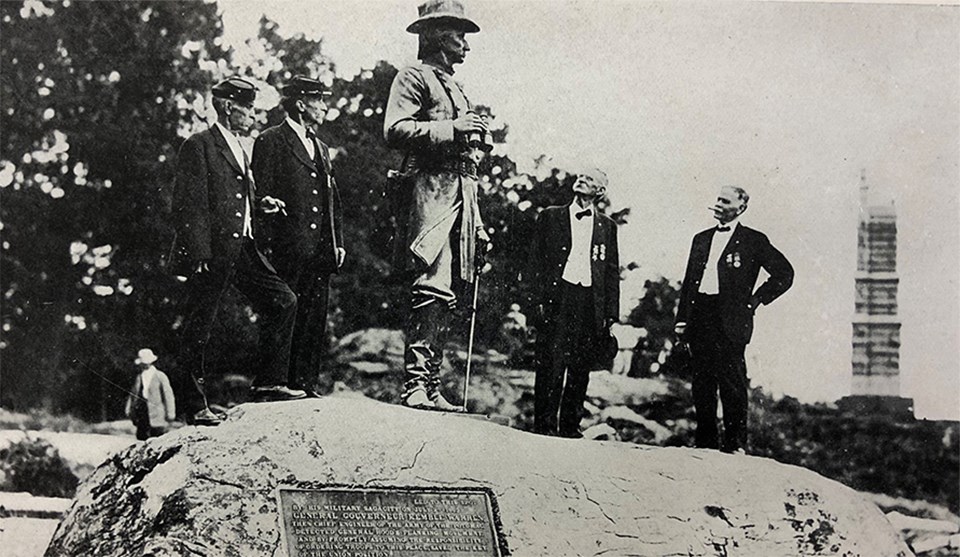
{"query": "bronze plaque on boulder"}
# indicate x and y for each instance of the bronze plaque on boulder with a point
(389, 522)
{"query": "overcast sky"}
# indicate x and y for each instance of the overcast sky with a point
(788, 100)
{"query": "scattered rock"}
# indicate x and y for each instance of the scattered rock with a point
(624, 414)
(601, 432)
(623, 390)
(370, 368)
(375, 345)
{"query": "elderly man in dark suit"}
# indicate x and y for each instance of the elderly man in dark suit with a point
(304, 240)
(715, 316)
(575, 270)
(213, 205)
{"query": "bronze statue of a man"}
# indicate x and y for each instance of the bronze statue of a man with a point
(429, 118)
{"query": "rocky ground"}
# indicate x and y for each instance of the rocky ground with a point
(213, 491)
(654, 411)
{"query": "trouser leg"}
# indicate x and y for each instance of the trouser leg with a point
(204, 291)
(431, 301)
(571, 405)
(581, 340)
(704, 387)
(733, 385)
(548, 382)
(276, 306)
(310, 331)
(705, 333)
(561, 377)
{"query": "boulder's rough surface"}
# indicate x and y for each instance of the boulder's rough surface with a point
(211, 491)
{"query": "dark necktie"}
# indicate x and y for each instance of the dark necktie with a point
(312, 138)
(586, 213)
(723, 229)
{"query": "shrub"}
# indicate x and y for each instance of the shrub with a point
(35, 466)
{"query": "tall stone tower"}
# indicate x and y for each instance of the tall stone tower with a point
(876, 326)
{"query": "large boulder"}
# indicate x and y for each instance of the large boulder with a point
(212, 491)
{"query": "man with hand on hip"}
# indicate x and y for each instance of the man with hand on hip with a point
(715, 315)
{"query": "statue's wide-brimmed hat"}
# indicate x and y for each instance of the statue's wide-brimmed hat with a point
(443, 12)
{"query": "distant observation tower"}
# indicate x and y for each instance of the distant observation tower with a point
(876, 325)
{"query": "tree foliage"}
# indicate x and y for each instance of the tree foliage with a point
(655, 313)
(93, 95)
(96, 99)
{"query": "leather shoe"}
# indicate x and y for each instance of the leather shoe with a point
(205, 417)
(275, 393)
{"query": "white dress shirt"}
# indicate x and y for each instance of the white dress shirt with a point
(301, 132)
(577, 269)
(241, 159)
(710, 283)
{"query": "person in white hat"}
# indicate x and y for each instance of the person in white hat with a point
(151, 405)
(430, 119)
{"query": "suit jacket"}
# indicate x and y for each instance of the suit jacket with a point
(747, 251)
(551, 245)
(312, 229)
(209, 193)
(160, 403)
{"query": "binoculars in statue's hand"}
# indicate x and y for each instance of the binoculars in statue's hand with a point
(480, 140)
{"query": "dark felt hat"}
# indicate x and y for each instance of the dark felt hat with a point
(301, 86)
(447, 12)
(235, 89)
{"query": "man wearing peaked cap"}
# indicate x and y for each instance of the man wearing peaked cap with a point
(236, 89)
(302, 87)
(304, 239)
(430, 119)
(215, 248)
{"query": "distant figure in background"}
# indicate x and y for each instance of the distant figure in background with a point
(151, 405)
(715, 315)
(213, 204)
(575, 270)
(304, 238)
(628, 337)
(513, 333)
(430, 119)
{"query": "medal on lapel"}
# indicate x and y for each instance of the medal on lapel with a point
(736, 259)
(596, 252)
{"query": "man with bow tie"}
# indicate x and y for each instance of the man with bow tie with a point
(715, 316)
(215, 248)
(304, 239)
(575, 272)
